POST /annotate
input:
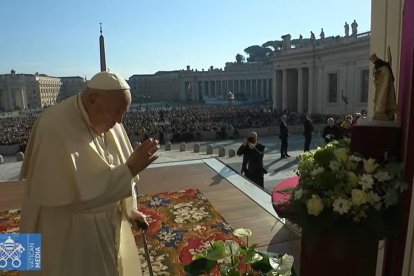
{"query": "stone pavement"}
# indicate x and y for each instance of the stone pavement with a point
(278, 169)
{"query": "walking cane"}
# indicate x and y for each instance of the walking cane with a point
(143, 226)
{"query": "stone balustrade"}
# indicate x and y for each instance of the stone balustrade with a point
(221, 151)
(182, 146)
(196, 147)
(209, 149)
(19, 156)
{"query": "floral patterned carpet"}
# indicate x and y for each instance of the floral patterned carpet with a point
(9, 223)
(181, 224)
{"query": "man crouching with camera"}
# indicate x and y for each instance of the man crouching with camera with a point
(252, 152)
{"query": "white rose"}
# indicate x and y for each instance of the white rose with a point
(382, 176)
(314, 205)
(370, 165)
(359, 197)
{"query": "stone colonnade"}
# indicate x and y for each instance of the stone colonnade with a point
(246, 89)
(296, 80)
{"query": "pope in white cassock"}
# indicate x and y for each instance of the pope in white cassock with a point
(81, 171)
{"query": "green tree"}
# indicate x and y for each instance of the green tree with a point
(257, 53)
(275, 44)
(240, 58)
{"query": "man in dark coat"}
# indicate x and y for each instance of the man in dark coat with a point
(307, 132)
(252, 166)
(283, 135)
(331, 131)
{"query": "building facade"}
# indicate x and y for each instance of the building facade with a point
(329, 75)
(27, 91)
(326, 76)
(71, 86)
(161, 86)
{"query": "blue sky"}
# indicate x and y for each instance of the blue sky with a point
(60, 38)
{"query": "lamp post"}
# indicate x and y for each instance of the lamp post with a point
(230, 97)
(146, 99)
(139, 96)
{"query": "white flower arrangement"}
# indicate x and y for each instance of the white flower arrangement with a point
(338, 185)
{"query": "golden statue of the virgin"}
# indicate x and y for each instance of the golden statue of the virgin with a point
(385, 105)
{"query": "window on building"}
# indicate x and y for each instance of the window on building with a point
(364, 86)
(333, 88)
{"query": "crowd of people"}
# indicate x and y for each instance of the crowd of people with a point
(15, 130)
(181, 123)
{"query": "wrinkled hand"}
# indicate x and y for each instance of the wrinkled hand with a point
(143, 155)
(138, 219)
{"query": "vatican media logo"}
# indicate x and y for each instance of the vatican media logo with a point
(20, 252)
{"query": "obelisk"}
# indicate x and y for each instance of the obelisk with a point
(102, 50)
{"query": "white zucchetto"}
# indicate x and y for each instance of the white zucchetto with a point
(108, 81)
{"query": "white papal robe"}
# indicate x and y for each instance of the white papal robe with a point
(76, 199)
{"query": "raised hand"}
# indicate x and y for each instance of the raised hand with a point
(143, 155)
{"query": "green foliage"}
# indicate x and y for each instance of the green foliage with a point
(323, 157)
(275, 44)
(257, 53)
(240, 58)
(234, 260)
(200, 266)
